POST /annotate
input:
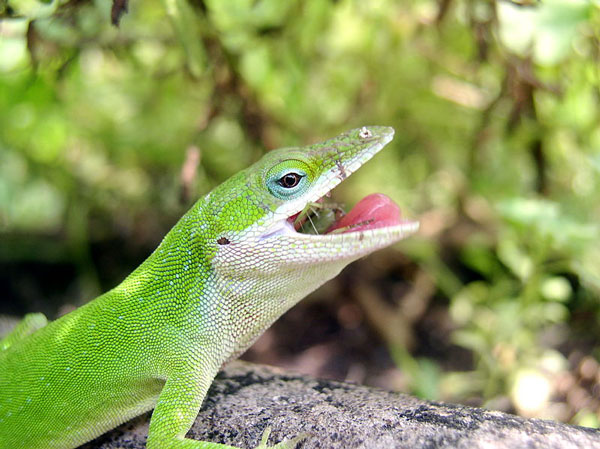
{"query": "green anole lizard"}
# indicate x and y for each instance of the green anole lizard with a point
(230, 267)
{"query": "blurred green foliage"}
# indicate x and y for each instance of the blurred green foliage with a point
(497, 150)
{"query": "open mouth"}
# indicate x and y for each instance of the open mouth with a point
(323, 217)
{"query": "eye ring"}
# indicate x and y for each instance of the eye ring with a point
(289, 180)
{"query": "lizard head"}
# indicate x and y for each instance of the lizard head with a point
(263, 260)
(256, 212)
(264, 206)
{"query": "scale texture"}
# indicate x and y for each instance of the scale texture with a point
(230, 267)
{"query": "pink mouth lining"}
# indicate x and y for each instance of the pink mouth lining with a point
(372, 212)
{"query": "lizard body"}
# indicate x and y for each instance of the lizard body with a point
(230, 267)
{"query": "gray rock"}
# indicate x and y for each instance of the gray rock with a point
(246, 398)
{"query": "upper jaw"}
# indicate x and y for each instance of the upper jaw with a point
(378, 137)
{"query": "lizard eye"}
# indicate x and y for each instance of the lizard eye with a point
(289, 180)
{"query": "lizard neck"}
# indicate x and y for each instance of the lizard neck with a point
(177, 275)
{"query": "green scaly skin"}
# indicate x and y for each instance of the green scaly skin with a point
(230, 267)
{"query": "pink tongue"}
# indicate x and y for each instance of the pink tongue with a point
(373, 211)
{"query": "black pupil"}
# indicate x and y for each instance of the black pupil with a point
(290, 180)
